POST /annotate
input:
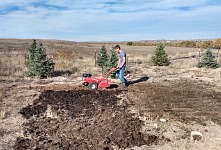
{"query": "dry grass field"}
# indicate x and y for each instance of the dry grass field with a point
(159, 110)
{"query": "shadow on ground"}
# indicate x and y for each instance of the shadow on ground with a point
(58, 73)
(113, 86)
(142, 79)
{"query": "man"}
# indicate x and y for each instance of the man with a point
(121, 65)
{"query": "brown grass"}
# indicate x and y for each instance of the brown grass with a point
(72, 58)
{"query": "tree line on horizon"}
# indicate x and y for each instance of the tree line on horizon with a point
(214, 44)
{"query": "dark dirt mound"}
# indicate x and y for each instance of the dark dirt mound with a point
(84, 120)
(78, 103)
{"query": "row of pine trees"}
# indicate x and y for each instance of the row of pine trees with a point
(160, 58)
(39, 65)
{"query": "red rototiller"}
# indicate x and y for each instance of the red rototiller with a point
(94, 83)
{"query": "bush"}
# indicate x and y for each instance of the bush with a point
(37, 62)
(130, 43)
(208, 60)
(160, 58)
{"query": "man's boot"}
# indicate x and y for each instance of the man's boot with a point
(124, 85)
(127, 82)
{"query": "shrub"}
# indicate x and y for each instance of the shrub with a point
(130, 43)
(206, 44)
(208, 60)
(37, 62)
(160, 58)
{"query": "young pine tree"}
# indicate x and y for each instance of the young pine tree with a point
(160, 58)
(112, 62)
(208, 60)
(102, 58)
(37, 62)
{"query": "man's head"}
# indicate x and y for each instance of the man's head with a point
(117, 48)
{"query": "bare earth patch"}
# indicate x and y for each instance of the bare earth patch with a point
(148, 115)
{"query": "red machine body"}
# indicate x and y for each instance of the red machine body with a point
(95, 83)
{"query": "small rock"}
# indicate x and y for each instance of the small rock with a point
(155, 125)
(79, 78)
(196, 135)
(142, 118)
(162, 120)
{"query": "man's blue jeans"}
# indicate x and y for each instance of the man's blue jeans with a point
(120, 74)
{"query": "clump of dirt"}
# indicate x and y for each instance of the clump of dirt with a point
(84, 120)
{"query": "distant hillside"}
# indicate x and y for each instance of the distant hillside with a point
(84, 48)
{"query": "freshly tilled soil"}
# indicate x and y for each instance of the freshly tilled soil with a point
(82, 119)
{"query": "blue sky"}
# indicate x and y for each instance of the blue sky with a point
(110, 20)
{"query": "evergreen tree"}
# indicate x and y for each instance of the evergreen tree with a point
(37, 62)
(112, 62)
(107, 61)
(208, 60)
(102, 58)
(160, 58)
